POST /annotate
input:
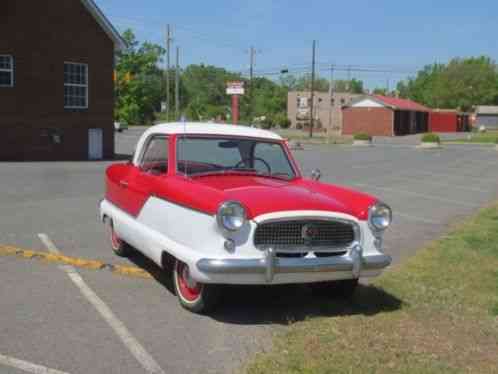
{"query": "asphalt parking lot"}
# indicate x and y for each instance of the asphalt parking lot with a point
(92, 321)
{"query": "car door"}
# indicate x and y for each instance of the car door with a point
(140, 184)
(151, 169)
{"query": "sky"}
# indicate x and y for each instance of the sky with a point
(394, 37)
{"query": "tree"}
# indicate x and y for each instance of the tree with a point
(138, 81)
(380, 91)
(462, 83)
(269, 97)
(303, 83)
(354, 86)
(205, 89)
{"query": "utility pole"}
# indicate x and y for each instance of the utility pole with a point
(168, 48)
(312, 89)
(177, 84)
(331, 94)
(252, 54)
(349, 79)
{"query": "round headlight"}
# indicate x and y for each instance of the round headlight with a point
(380, 216)
(231, 216)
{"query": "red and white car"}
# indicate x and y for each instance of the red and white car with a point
(229, 205)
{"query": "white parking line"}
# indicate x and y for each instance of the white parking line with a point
(136, 349)
(27, 366)
(422, 195)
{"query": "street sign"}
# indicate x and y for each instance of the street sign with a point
(235, 88)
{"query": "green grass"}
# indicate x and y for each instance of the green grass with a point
(489, 137)
(362, 136)
(431, 138)
(436, 313)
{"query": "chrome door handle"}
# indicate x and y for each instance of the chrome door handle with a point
(123, 184)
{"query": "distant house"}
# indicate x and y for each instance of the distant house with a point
(56, 80)
(486, 116)
(385, 116)
(327, 109)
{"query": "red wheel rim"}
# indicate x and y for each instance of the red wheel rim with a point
(115, 241)
(190, 290)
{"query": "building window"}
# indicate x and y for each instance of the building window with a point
(302, 102)
(6, 71)
(75, 85)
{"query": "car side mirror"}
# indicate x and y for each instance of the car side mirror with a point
(316, 174)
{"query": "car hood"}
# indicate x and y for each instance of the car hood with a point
(262, 195)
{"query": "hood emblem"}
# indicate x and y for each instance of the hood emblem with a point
(308, 233)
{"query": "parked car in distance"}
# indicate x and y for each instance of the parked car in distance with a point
(120, 126)
(229, 205)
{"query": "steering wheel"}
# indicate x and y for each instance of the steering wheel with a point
(243, 161)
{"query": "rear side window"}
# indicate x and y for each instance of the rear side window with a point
(155, 156)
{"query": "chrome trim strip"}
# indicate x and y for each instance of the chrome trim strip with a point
(182, 205)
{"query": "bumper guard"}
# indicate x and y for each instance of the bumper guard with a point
(270, 264)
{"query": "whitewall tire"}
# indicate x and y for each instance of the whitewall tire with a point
(193, 296)
(119, 247)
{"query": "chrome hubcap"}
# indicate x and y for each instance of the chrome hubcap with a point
(191, 283)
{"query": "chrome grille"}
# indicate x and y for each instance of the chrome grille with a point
(305, 234)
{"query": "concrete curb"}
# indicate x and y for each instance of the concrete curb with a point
(362, 143)
(427, 145)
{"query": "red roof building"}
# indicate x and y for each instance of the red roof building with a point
(401, 104)
(385, 116)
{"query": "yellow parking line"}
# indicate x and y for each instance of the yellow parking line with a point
(46, 257)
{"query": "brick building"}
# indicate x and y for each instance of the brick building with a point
(327, 109)
(385, 116)
(56, 80)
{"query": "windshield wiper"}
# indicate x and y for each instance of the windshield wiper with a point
(225, 172)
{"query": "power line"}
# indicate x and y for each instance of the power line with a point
(148, 25)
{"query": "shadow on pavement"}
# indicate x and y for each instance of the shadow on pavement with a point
(282, 304)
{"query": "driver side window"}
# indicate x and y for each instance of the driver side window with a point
(155, 156)
(272, 154)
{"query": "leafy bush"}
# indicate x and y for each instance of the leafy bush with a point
(281, 120)
(362, 136)
(299, 126)
(268, 123)
(431, 138)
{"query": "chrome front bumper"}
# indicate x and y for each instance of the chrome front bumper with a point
(270, 264)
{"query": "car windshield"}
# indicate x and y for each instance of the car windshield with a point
(206, 156)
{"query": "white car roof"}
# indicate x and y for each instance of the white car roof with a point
(205, 128)
(200, 128)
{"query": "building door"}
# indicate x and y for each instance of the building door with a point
(95, 144)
